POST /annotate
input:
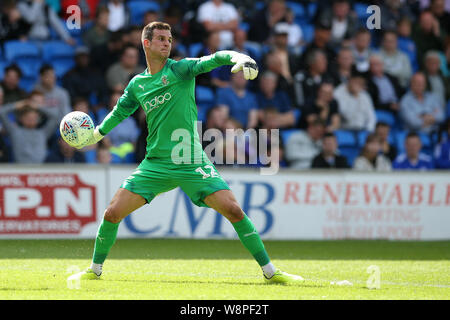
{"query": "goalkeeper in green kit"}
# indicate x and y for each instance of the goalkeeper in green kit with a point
(166, 92)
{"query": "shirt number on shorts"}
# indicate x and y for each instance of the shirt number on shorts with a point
(212, 172)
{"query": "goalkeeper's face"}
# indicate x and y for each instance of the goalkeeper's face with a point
(160, 45)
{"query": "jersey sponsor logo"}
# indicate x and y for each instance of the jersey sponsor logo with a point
(142, 87)
(157, 101)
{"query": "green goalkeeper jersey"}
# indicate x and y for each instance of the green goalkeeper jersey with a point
(168, 99)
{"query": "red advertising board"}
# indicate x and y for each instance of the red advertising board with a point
(50, 203)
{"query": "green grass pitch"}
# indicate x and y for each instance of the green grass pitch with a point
(221, 269)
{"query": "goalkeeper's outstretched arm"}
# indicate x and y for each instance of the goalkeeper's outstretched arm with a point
(192, 67)
(126, 105)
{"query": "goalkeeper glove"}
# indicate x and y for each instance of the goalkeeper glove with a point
(244, 63)
(93, 139)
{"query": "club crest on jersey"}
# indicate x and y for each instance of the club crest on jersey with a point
(164, 80)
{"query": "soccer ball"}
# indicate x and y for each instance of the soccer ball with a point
(76, 128)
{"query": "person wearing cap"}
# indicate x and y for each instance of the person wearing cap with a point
(84, 80)
(321, 40)
(265, 19)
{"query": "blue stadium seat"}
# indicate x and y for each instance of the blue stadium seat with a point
(57, 50)
(347, 144)
(386, 117)
(308, 32)
(26, 55)
(360, 10)
(30, 67)
(139, 8)
(17, 50)
(3, 65)
(346, 138)
(286, 134)
(311, 9)
(194, 49)
(204, 95)
(297, 8)
(27, 83)
(350, 154)
(60, 55)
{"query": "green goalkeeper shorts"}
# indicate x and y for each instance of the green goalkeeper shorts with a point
(153, 177)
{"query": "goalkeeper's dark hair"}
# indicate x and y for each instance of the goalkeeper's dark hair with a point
(147, 33)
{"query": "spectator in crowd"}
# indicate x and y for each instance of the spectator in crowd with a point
(124, 136)
(40, 16)
(219, 16)
(306, 84)
(103, 155)
(392, 12)
(321, 41)
(427, 35)
(436, 82)
(273, 63)
(98, 34)
(264, 20)
(84, 80)
(219, 77)
(383, 88)
(269, 96)
(105, 55)
(361, 50)
(302, 146)
(442, 149)
(445, 58)
(324, 108)
(10, 84)
(65, 154)
(382, 131)
(437, 8)
(118, 14)
(241, 102)
(280, 49)
(329, 158)
(420, 109)
(240, 45)
(135, 39)
(344, 23)
(396, 63)
(151, 16)
(216, 118)
(405, 42)
(28, 139)
(370, 158)
(412, 158)
(4, 153)
(55, 96)
(342, 69)
(12, 25)
(295, 34)
(355, 105)
(120, 73)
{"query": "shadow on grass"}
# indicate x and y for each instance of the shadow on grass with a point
(228, 249)
(230, 282)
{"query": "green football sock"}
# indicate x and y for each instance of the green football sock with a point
(251, 240)
(106, 237)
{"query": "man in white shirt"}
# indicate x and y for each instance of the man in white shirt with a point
(355, 105)
(216, 15)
